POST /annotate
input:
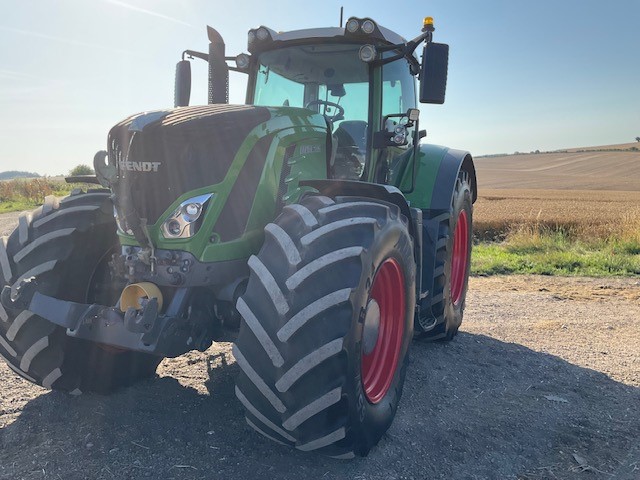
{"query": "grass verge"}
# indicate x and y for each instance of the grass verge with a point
(558, 252)
(26, 194)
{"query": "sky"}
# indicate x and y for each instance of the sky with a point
(523, 75)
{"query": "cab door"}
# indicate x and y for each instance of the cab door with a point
(396, 95)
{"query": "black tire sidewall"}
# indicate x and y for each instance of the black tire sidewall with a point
(369, 421)
(85, 365)
(461, 201)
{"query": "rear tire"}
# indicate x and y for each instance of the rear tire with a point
(327, 323)
(453, 265)
(65, 245)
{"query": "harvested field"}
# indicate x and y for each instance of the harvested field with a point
(610, 170)
(579, 213)
(587, 195)
(620, 146)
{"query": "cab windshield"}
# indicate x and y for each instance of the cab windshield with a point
(327, 79)
(310, 76)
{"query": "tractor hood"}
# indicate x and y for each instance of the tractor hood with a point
(161, 155)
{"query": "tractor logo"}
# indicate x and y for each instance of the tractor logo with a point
(139, 166)
(307, 149)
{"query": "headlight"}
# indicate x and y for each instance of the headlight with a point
(368, 26)
(263, 34)
(183, 222)
(251, 37)
(352, 25)
(191, 211)
(242, 61)
(367, 53)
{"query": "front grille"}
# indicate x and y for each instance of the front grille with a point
(186, 149)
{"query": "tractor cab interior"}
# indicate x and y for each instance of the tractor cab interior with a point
(328, 79)
(332, 80)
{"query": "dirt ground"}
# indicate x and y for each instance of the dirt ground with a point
(543, 382)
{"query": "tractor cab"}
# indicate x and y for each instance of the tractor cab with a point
(361, 78)
(353, 96)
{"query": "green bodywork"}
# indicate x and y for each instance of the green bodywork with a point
(308, 131)
(429, 159)
(287, 127)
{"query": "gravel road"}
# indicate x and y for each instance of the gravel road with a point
(543, 382)
(8, 222)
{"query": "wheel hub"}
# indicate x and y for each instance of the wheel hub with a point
(371, 327)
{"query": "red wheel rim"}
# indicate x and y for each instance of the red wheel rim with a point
(459, 257)
(379, 364)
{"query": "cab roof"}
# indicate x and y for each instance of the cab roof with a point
(380, 35)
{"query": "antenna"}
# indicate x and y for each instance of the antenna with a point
(341, 11)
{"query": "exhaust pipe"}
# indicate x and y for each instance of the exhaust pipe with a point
(218, 68)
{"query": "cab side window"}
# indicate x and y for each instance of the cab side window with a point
(398, 95)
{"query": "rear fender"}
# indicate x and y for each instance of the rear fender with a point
(435, 183)
(437, 172)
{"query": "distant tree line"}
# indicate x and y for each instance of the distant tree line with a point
(11, 174)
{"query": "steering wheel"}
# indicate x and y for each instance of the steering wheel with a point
(339, 115)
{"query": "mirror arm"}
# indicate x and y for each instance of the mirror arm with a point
(406, 50)
(415, 65)
(194, 54)
(205, 57)
(384, 61)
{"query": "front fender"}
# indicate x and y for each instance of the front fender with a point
(388, 193)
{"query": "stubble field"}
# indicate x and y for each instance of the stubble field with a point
(593, 194)
(581, 213)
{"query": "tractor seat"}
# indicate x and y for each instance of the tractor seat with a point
(352, 133)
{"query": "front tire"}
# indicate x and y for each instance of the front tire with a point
(65, 245)
(327, 324)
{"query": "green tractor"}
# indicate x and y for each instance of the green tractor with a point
(311, 221)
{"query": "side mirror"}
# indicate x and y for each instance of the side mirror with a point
(433, 75)
(183, 84)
